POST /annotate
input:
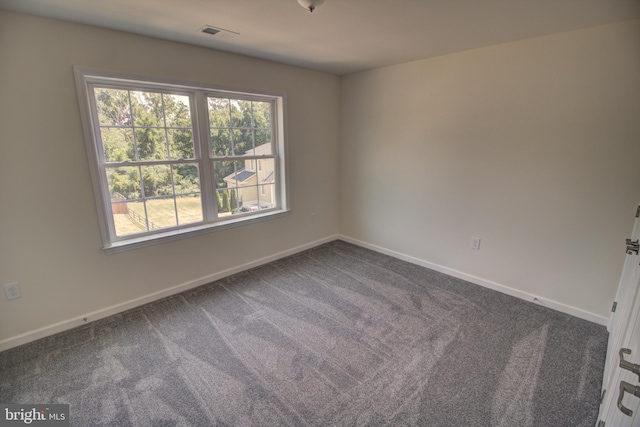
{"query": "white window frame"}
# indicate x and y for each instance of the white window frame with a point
(87, 78)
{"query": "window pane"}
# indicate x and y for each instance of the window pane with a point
(186, 207)
(242, 142)
(113, 107)
(240, 113)
(124, 181)
(137, 214)
(181, 143)
(266, 173)
(263, 140)
(218, 112)
(245, 174)
(267, 196)
(246, 178)
(222, 170)
(189, 208)
(156, 180)
(235, 184)
(125, 225)
(232, 174)
(161, 213)
(264, 150)
(221, 142)
(186, 179)
(250, 127)
(151, 144)
(147, 109)
(262, 115)
(177, 111)
(132, 215)
(125, 221)
(224, 203)
(118, 144)
(227, 201)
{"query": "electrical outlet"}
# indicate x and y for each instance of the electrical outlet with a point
(12, 290)
(475, 243)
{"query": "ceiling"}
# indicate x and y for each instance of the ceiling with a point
(341, 36)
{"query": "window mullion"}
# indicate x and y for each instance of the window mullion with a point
(203, 154)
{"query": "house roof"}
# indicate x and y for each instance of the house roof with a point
(268, 179)
(242, 175)
(261, 150)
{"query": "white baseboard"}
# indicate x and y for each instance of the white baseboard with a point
(558, 306)
(119, 308)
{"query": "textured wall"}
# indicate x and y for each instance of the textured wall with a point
(49, 237)
(532, 146)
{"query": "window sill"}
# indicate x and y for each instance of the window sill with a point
(183, 233)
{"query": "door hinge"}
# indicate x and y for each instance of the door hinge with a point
(632, 246)
(638, 212)
(614, 306)
(601, 423)
(602, 396)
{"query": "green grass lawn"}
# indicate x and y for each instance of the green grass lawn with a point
(162, 213)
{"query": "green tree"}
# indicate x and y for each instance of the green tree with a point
(124, 180)
(156, 116)
(113, 107)
(118, 144)
(178, 119)
(186, 179)
(234, 199)
(219, 201)
(163, 130)
(156, 180)
(225, 201)
(148, 118)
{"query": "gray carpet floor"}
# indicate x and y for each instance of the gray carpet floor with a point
(334, 336)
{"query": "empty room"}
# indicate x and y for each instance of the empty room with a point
(320, 212)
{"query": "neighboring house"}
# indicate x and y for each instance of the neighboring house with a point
(255, 182)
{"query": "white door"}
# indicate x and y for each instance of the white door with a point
(620, 407)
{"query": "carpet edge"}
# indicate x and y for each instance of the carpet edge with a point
(544, 302)
(86, 318)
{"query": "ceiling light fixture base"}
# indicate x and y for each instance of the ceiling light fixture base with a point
(310, 5)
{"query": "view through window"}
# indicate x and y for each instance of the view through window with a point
(163, 165)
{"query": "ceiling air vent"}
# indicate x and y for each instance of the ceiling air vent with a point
(210, 30)
(218, 32)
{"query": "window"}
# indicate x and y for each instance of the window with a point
(171, 159)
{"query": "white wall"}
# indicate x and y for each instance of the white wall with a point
(534, 146)
(49, 237)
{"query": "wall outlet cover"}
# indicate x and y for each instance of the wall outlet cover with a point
(475, 243)
(12, 291)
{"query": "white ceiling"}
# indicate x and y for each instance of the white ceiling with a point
(341, 36)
